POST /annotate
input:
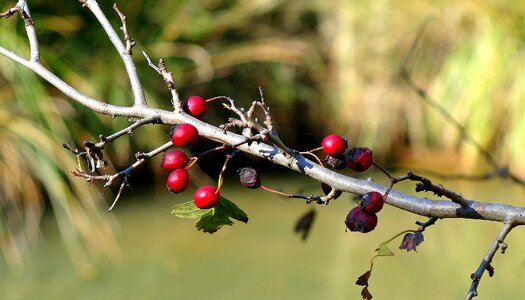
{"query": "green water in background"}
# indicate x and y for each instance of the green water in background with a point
(163, 257)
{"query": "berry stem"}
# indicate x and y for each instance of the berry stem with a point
(275, 191)
(221, 175)
(397, 235)
(314, 156)
(383, 170)
(315, 149)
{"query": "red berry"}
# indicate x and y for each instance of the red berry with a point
(206, 197)
(334, 145)
(184, 135)
(372, 202)
(195, 106)
(359, 220)
(174, 159)
(359, 159)
(178, 180)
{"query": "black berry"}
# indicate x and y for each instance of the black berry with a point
(249, 178)
(336, 162)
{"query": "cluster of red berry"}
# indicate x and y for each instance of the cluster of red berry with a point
(358, 159)
(362, 218)
(184, 136)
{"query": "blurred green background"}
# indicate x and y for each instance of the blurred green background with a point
(335, 62)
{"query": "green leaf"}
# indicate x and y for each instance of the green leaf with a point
(383, 250)
(188, 210)
(220, 215)
(213, 221)
(233, 210)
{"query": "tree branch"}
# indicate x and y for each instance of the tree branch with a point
(487, 259)
(124, 52)
(168, 79)
(421, 206)
(292, 160)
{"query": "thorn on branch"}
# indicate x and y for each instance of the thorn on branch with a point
(423, 225)
(123, 185)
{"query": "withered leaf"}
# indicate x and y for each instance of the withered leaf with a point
(363, 279)
(366, 294)
(304, 224)
(411, 241)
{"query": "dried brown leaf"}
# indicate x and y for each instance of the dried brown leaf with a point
(363, 279)
(411, 241)
(366, 294)
(304, 224)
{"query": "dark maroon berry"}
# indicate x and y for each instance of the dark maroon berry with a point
(206, 197)
(372, 202)
(336, 162)
(359, 220)
(327, 189)
(178, 180)
(184, 135)
(174, 159)
(249, 178)
(359, 159)
(195, 106)
(334, 145)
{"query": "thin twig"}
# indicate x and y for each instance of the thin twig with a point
(439, 190)
(418, 205)
(499, 169)
(124, 174)
(129, 41)
(487, 259)
(423, 225)
(9, 12)
(168, 79)
(30, 31)
(127, 130)
(127, 59)
(142, 155)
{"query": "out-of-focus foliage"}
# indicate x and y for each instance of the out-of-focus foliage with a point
(323, 65)
(34, 171)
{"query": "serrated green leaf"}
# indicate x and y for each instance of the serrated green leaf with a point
(233, 210)
(188, 210)
(213, 221)
(220, 215)
(383, 250)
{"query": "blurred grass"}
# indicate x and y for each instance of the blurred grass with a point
(165, 257)
(336, 63)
